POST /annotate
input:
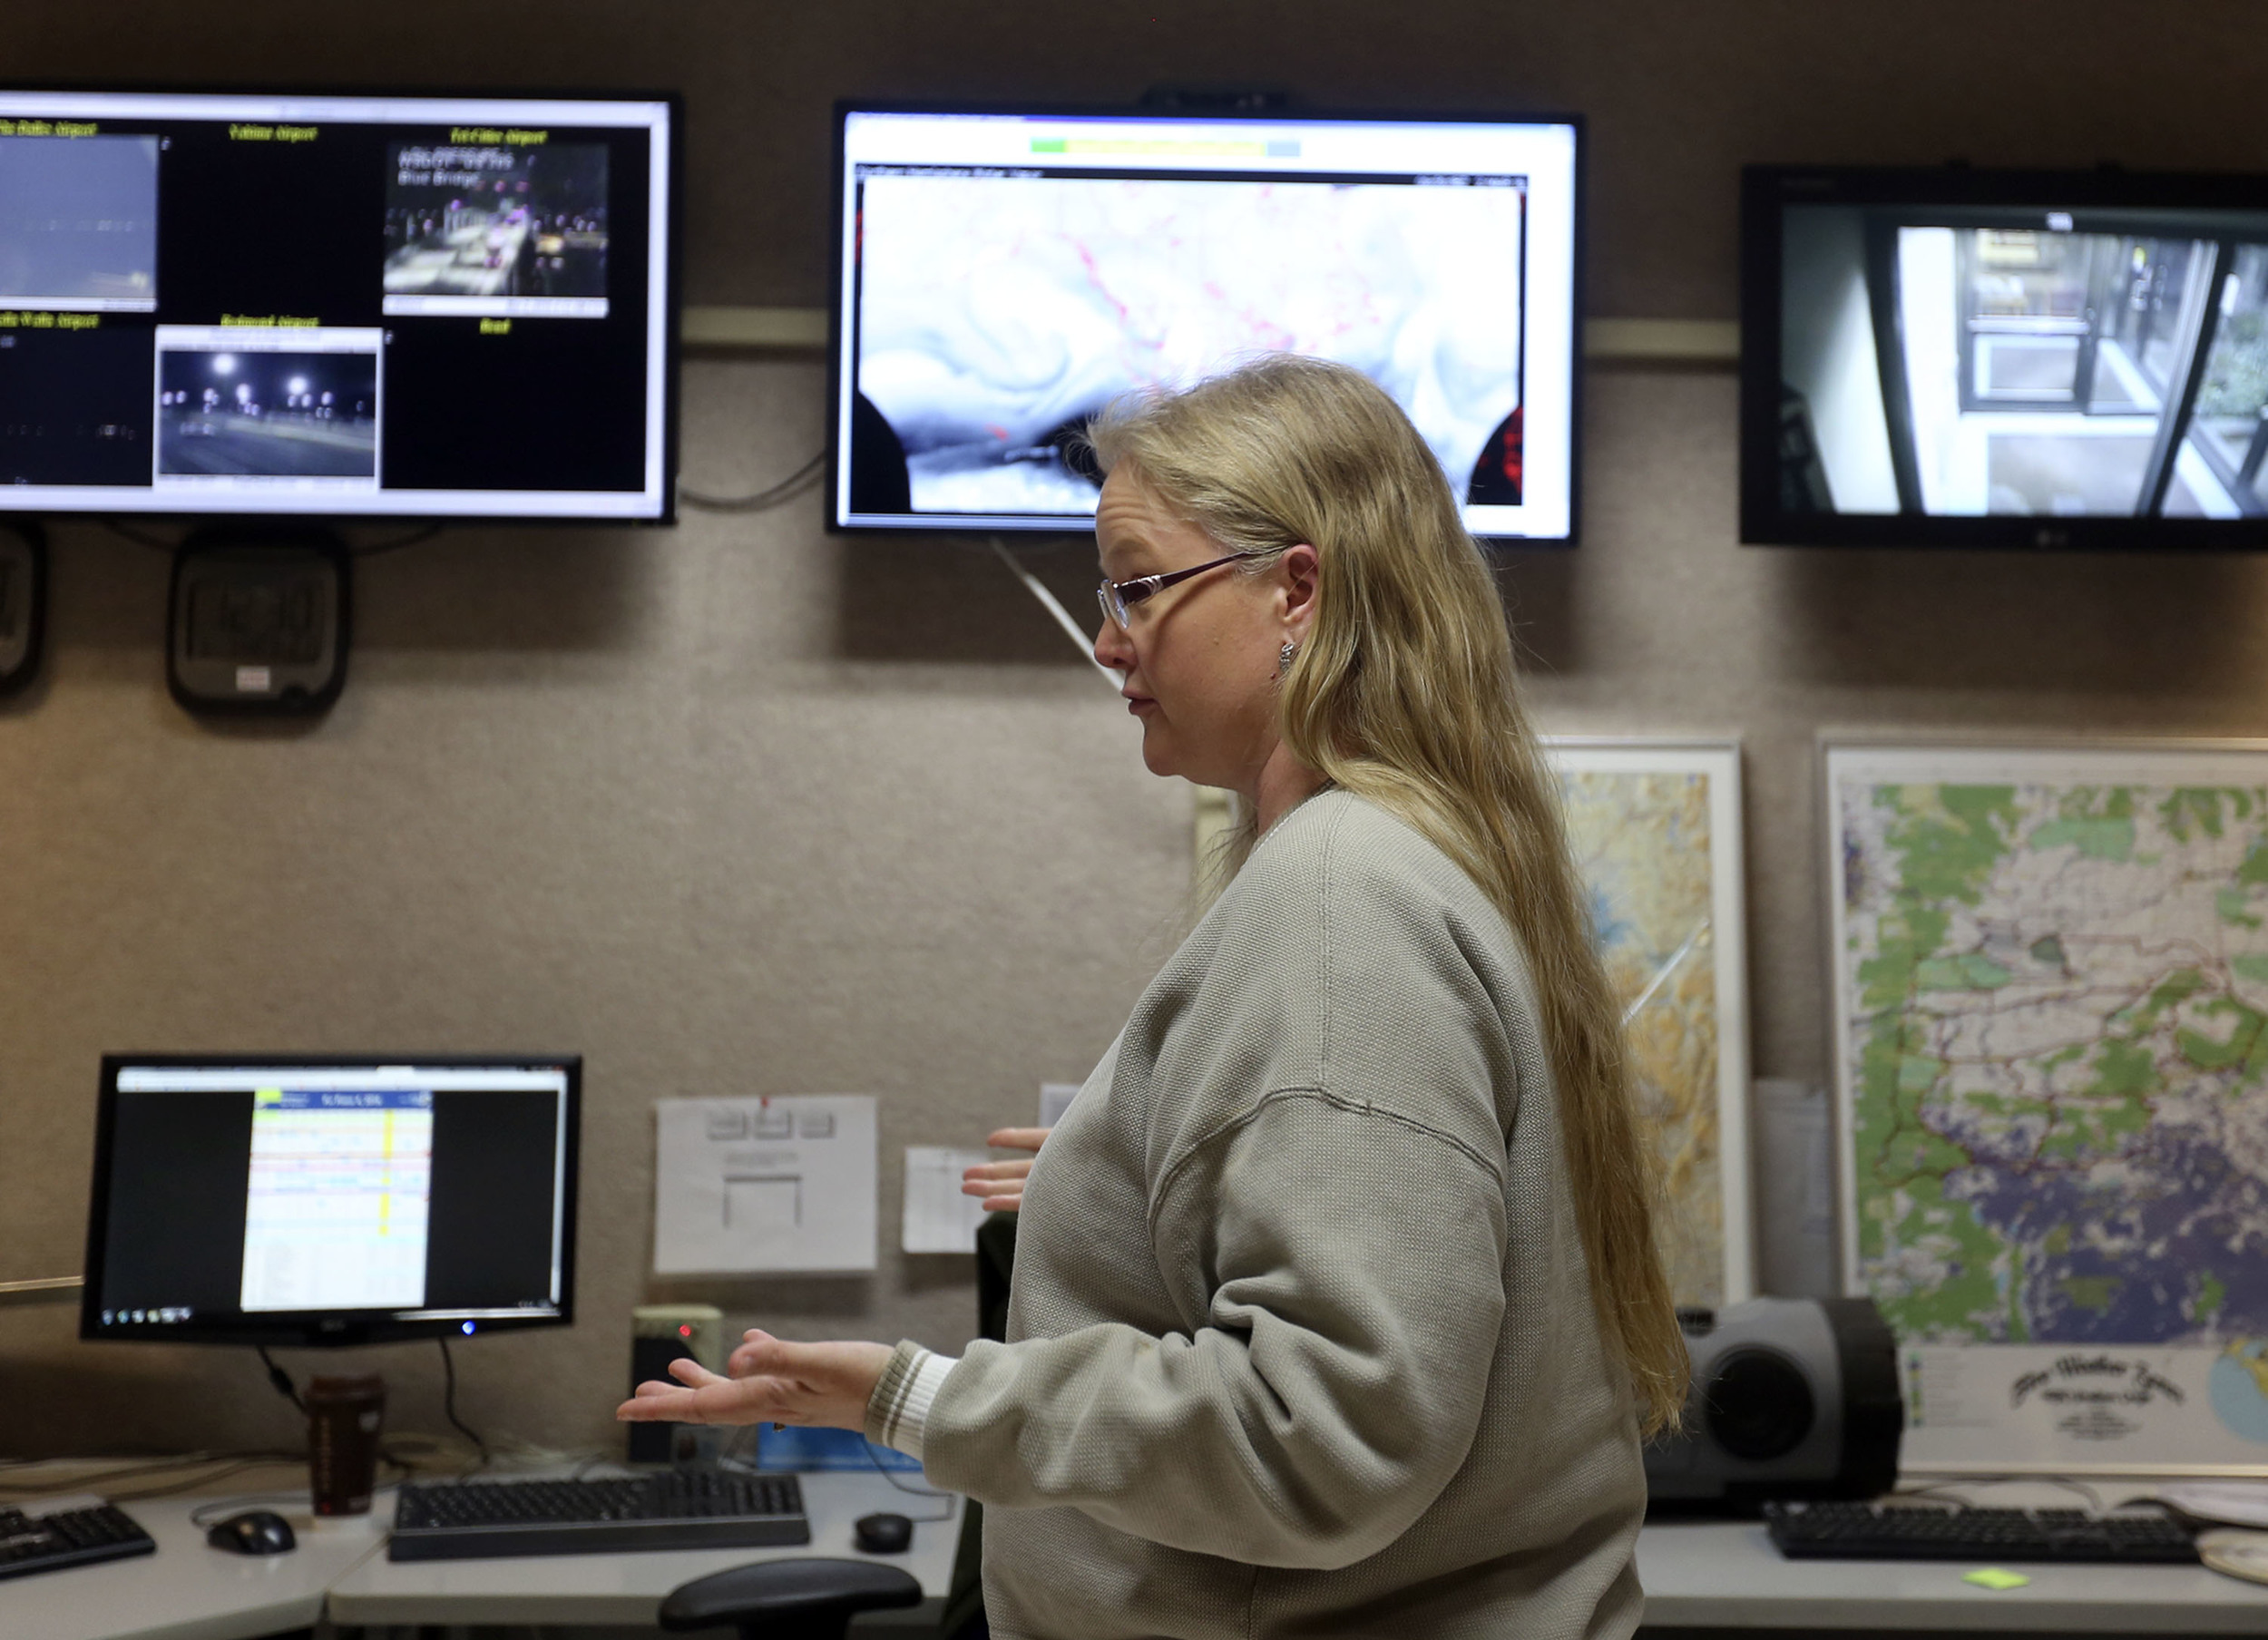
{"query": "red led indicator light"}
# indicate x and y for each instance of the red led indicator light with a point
(684, 1332)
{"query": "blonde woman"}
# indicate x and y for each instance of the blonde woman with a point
(1335, 1308)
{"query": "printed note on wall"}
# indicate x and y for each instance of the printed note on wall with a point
(784, 1184)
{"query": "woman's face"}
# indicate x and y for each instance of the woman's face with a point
(1199, 657)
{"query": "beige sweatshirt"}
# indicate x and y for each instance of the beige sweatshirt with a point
(1300, 1342)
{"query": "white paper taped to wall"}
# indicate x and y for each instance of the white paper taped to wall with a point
(938, 1217)
(763, 1184)
(1055, 1098)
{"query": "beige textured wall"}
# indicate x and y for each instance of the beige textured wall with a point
(746, 807)
(736, 809)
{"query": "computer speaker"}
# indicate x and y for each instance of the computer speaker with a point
(1791, 1397)
(259, 624)
(22, 602)
(659, 1334)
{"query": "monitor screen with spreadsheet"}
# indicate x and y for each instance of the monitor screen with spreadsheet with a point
(325, 1200)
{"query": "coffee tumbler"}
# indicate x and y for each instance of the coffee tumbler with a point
(344, 1416)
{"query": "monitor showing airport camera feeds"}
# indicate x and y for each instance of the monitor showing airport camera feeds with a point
(1003, 275)
(421, 307)
(1990, 358)
(245, 1199)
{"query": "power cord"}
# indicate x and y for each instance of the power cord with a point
(142, 538)
(793, 484)
(397, 544)
(883, 1469)
(281, 1380)
(130, 1471)
(448, 1401)
(2064, 1482)
(731, 1457)
(126, 532)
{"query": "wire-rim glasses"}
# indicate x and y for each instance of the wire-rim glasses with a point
(1118, 598)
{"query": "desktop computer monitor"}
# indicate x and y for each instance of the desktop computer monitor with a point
(1005, 273)
(291, 304)
(322, 1200)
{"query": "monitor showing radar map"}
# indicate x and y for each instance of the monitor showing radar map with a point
(1003, 275)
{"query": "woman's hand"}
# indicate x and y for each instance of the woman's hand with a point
(1000, 1184)
(772, 1382)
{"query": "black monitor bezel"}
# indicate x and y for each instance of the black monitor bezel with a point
(672, 286)
(317, 1329)
(1040, 109)
(1766, 189)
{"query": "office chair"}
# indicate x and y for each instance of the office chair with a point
(788, 1599)
(816, 1599)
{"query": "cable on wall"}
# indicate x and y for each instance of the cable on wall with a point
(156, 544)
(1054, 607)
(448, 1401)
(280, 1379)
(787, 489)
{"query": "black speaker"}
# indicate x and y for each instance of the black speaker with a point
(22, 602)
(258, 622)
(649, 1358)
(659, 1333)
(1791, 1397)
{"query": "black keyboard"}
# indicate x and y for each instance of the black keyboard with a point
(673, 1509)
(60, 1538)
(1914, 1531)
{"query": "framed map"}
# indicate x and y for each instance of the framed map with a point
(2051, 1036)
(1656, 830)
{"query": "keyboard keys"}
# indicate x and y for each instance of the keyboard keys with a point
(32, 1542)
(674, 1509)
(1894, 1531)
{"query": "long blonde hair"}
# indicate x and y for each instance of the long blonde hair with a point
(1404, 692)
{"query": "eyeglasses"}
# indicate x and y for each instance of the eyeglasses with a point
(1117, 596)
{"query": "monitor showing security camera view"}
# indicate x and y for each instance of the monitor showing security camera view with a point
(320, 306)
(2005, 358)
(1004, 274)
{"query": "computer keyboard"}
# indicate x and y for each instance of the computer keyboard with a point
(49, 1536)
(1918, 1532)
(673, 1509)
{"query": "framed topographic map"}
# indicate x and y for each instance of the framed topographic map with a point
(2051, 1036)
(1656, 829)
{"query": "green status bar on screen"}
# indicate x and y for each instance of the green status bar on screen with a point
(1275, 147)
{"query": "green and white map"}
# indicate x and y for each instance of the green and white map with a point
(1654, 827)
(2052, 1017)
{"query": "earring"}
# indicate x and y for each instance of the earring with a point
(1284, 656)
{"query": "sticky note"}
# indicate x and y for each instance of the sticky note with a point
(1993, 1577)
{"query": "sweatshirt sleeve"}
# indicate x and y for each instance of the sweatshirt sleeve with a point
(1355, 1259)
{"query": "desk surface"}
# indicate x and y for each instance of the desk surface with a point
(1715, 1576)
(189, 1591)
(1728, 1576)
(627, 1588)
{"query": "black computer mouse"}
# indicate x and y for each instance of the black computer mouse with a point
(883, 1533)
(254, 1532)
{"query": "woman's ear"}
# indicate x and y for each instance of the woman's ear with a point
(1298, 572)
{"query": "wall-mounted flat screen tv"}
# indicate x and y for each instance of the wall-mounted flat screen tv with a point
(341, 307)
(1003, 274)
(1959, 357)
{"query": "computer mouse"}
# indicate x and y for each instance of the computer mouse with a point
(883, 1533)
(254, 1532)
